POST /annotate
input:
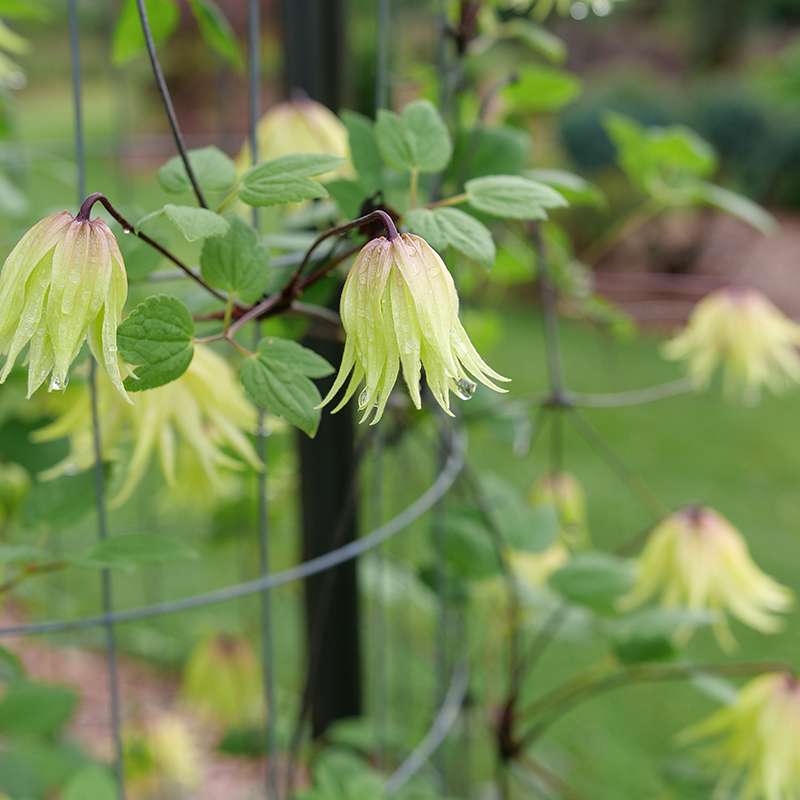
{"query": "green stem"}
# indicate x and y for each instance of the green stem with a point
(226, 320)
(455, 200)
(413, 188)
(229, 199)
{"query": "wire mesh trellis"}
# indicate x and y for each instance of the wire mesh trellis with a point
(452, 442)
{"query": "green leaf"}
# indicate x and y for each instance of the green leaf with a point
(60, 502)
(11, 668)
(22, 554)
(737, 205)
(651, 635)
(217, 31)
(34, 709)
(157, 340)
(522, 527)
(237, 262)
(91, 783)
(489, 151)
(163, 16)
(349, 196)
(287, 179)
(424, 223)
(196, 223)
(136, 549)
(465, 234)
(512, 197)
(468, 549)
(576, 190)
(277, 380)
(214, 171)
(542, 89)
(537, 38)
(596, 580)
(664, 162)
(364, 151)
(428, 135)
(416, 140)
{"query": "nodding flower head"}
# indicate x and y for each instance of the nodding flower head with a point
(744, 332)
(696, 559)
(190, 422)
(756, 746)
(298, 126)
(399, 309)
(64, 282)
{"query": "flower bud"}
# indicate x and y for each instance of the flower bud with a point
(222, 680)
(696, 559)
(160, 757)
(757, 740)
(298, 126)
(64, 282)
(189, 421)
(744, 332)
(14, 485)
(564, 493)
(399, 308)
(534, 569)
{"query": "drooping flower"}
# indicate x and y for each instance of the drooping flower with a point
(399, 308)
(695, 559)
(62, 283)
(161, 758)
(564, 493)
(222, 681)
(297, 126)
(757, 740)
(192, 418)
(744, 332)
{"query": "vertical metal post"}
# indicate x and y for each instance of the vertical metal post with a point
(100, 503)
(267, 664)
(313, 34)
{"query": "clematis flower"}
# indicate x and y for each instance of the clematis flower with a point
(222, 680)
(298, 126)
(399, 308)
(62, 283)
(191, 419)
(564, 493)
(745, 333)
(757, 740)
(160, 758)
(696, 559)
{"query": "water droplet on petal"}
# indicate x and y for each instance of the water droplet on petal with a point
(57, 384)
(363, 398)
(466, 388)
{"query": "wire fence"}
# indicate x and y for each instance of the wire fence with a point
(452, 442)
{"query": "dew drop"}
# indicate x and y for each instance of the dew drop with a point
(363, 398)
(465, 388)
(126, 230)
(57, 384)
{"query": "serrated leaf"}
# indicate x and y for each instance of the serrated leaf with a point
(417, 139)
(60, 502)
(542, 89)
(512, 197)
(215, 172)
(277, 379)
(35, 709)
(364, 151)
(465, 234)
(156, 339)
(596, 580)
(216, 31)
(237, 263)
(195, 223)
(163, 16)
(424, 223)
(428, 134)
(136, 549)
(287, 179)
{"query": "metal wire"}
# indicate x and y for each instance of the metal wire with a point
(351, 550)
(99, 474)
